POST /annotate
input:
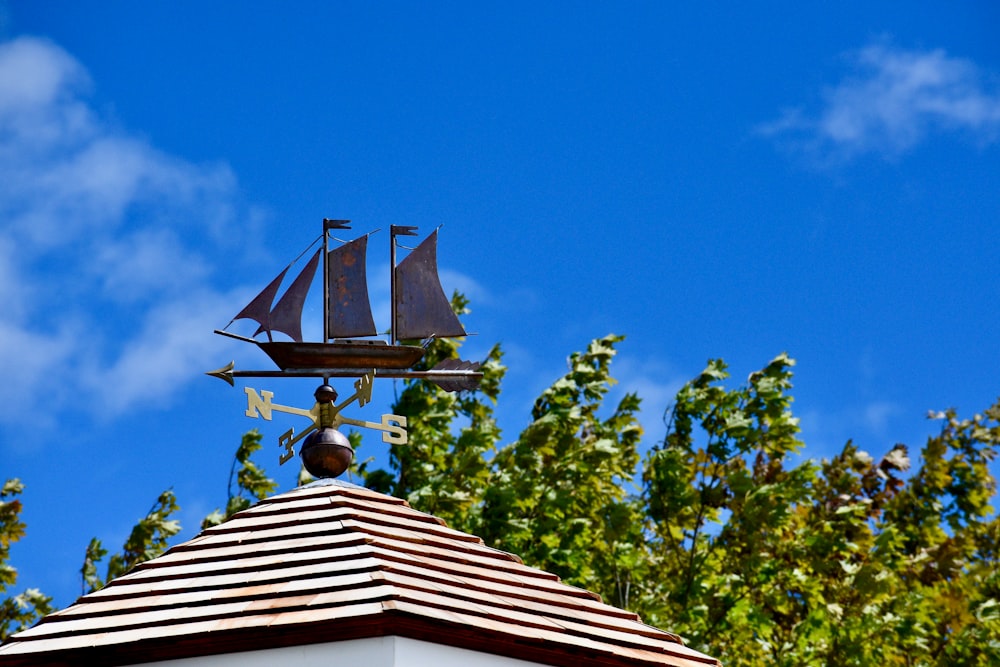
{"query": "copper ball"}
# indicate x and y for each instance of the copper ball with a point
(326, 453)
(325, 394)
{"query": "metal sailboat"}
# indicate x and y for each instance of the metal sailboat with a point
(420, 309)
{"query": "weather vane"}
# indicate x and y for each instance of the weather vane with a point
(420, 312)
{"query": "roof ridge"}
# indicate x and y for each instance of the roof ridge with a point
(336, 488)
(585, 603)
(317, 503)
(672, 640)
(562, 612)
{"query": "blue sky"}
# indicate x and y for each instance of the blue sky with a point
(730, 182)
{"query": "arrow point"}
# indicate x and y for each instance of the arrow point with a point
(224, 373)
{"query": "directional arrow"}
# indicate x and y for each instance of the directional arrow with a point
(450, 374)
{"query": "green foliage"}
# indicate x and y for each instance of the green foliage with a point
(556, 496)
(444, 467)
(23, 609)
(752, 553)
(149, 537)
(733, 540)
(252, 483)
(147, 540)
(765, 560)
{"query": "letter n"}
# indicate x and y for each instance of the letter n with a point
(258, 405)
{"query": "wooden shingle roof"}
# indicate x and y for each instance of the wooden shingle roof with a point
(333, 561)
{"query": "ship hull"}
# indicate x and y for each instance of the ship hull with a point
(366, 354)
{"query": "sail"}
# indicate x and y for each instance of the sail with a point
(286, 316)
(422, 309)
(350, 312)
(259, 310)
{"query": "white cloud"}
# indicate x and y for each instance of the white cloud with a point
(170, 347)
(655, 382)
(871, 425)
(106, 246)
(892, 101)
(474, 291)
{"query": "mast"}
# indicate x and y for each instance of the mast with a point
(394, 231)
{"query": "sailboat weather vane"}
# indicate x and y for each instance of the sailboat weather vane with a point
(420, 312)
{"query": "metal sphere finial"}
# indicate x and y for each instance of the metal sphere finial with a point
(326, 453)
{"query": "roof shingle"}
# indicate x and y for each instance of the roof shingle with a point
(333, 561)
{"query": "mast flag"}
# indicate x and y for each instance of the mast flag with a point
(329, 224)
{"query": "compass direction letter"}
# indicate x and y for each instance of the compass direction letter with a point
(394, 429)
(261, 405)
(285, 441)
(258, 405)
(364, 387)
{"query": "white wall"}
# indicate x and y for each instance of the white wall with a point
(372, 652)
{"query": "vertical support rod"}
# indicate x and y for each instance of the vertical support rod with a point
(394, 231)
(326, 282)
(328, 224)
(392, 284)
(326, 289)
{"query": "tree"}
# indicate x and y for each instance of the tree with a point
(443, 471)
(252, 482)
(753, 554)
(721, 531)
(151, 534)
(147, 540)
(556, 496)
(23, 609)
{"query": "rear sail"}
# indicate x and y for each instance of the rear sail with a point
(350, 312)
(421, 308)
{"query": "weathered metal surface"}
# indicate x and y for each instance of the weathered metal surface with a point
(286, 316)
(326, 453)
(451, 379)
(361, 354)
(465, 374)
(349, 313)
(421, 308)
(259, 310)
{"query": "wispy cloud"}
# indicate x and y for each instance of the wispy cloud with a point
(105, 244)
(656, 382)
(892, 100)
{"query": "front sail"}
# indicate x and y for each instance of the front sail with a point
(350, 312)
(259, 310)
(422, 309)
(286, 316)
